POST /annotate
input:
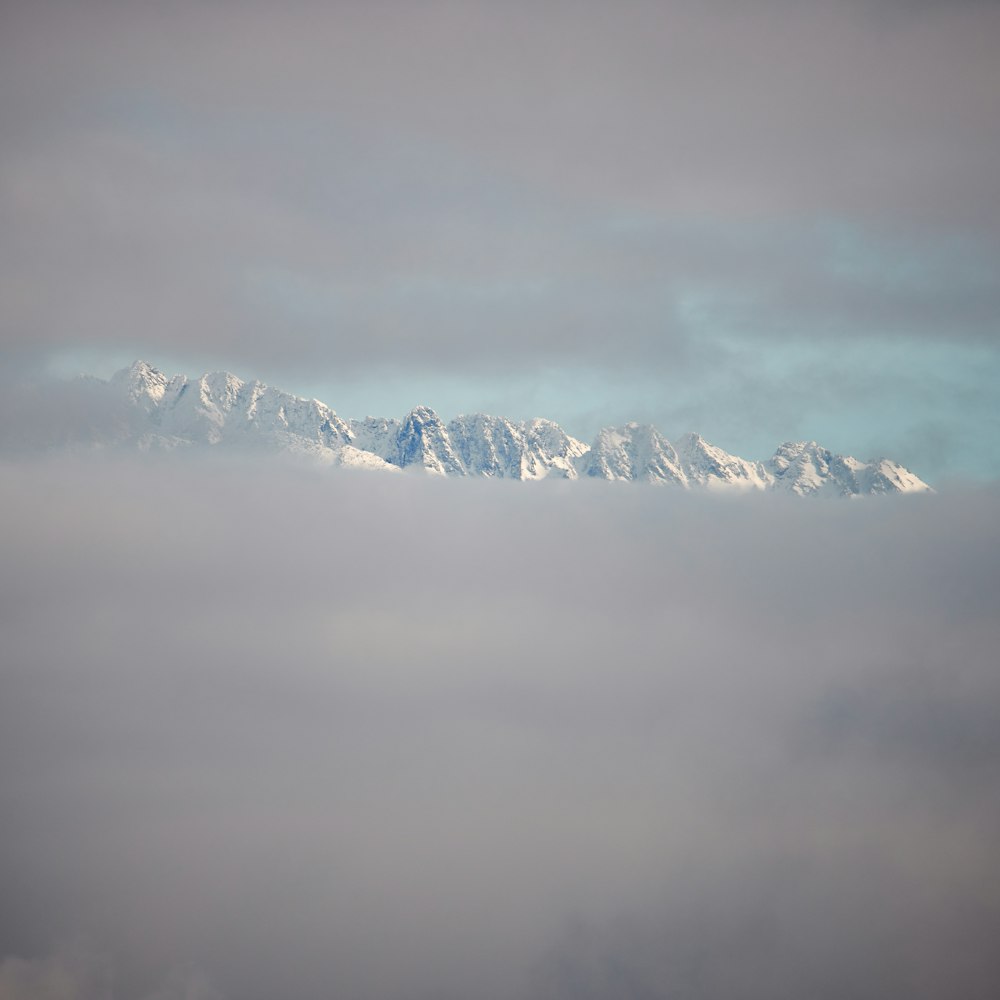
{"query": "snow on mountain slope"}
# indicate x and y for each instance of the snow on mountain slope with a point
(423, 440)
(141, 384)
(633, 452)
(488, 446)
(550, 451)
(497, 447)
(375, 434)
(806, 468)
(220, 409)
(886, 476)
(706, 465)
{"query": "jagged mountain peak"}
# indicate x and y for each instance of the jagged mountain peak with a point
(141, 381)
(807, 468)
(219, 408)
(423, 414)
(633, 451)
(138, 369)
(791, 450)
(223, 382)
(423, 441)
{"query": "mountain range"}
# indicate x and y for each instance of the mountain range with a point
(153, 412)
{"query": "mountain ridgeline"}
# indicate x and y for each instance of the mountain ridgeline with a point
(155, 412)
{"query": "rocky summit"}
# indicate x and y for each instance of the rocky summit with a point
(219, 410)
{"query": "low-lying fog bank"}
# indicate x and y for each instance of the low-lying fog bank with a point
(267, 731)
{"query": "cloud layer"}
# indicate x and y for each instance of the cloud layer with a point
(677, 212)
(318, 735)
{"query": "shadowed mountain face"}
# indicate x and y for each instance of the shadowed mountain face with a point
(154, 412)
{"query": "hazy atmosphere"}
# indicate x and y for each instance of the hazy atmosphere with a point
(390, 737)
(761, 222)
(275, 730)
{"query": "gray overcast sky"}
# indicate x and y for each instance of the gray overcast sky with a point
(281, 732)
(306, 735)
(758, 221)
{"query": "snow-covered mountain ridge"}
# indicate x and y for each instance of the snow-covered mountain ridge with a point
(221, 410)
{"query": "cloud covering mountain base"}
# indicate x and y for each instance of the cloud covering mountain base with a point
(388, 737)
(141, 408)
